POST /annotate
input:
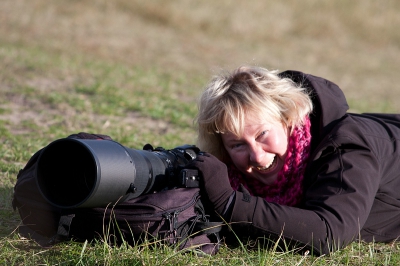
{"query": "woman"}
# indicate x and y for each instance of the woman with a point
(283, 159)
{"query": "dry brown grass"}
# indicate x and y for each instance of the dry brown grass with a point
(354, 43)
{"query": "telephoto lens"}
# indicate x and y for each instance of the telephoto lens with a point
(87, 173)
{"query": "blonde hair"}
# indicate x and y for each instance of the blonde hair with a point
(229, 97)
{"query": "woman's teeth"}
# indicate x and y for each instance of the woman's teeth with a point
(267, 166)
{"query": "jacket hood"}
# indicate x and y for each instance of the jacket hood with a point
(328, 99)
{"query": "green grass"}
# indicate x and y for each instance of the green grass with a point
(134, 69)
(16, 251)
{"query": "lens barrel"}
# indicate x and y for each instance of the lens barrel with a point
(83, 173)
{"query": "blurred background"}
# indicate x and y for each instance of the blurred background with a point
(160, 54)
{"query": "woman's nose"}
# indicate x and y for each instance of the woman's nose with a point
(257, 154)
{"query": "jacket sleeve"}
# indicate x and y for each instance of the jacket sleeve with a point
(341, 182)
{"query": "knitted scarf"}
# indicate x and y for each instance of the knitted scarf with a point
(287, 189)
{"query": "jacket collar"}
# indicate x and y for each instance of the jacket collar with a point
(328, 99)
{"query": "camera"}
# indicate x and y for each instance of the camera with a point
(85, 173)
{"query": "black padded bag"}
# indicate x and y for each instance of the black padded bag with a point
(176, 216)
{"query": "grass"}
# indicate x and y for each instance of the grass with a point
(23, 252)
(134, 69)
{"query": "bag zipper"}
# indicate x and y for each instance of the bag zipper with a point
(173, 211)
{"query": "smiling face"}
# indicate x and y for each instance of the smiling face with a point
(260, 150)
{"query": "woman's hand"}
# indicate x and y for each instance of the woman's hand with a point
(213, 179)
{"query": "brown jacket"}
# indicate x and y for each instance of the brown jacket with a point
(351, 184)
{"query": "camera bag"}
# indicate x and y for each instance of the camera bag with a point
(176, 216)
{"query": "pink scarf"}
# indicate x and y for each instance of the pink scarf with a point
(288, 188)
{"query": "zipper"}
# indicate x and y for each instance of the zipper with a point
(173, 211)
(172, 221)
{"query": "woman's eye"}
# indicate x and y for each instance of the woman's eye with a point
(262, 134)
(237, 145)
